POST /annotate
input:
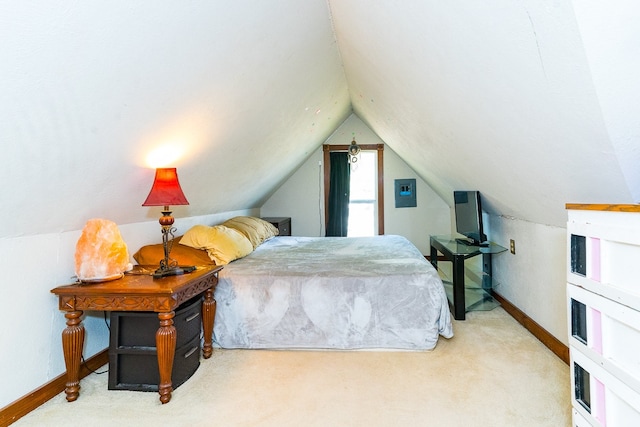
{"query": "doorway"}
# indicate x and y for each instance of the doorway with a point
(377, 150)
(362, 197)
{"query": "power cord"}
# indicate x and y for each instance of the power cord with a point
(104, 313)
(84, 362)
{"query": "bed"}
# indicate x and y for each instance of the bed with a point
(331, 293)
(282, 292)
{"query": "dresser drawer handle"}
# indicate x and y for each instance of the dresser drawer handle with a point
(190, 352)
(193, 316)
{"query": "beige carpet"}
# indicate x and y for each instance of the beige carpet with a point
(491, 373)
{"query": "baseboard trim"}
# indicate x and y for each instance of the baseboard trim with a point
(21, 407)
(552, 343)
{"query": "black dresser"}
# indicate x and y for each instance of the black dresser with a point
(282, 223)
(133, 360)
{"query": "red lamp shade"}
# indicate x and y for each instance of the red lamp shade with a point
(166, 189)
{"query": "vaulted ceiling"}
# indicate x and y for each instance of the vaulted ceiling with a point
(530, 102)
(497, 96)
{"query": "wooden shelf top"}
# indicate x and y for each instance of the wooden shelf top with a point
(603, 207)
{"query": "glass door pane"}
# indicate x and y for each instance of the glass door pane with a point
(362, 201)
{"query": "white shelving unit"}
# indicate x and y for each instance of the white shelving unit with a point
(603, 290)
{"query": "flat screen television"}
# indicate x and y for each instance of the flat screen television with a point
(468, 210)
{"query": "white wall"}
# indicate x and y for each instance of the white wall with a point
(610, 35)
(430, 216)
(30, 336)
(534, 279)
(301, 196)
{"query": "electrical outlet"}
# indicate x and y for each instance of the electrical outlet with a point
(512, 246)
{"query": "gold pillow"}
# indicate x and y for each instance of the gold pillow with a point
(255, 229)
(184, 255)
(223, 244)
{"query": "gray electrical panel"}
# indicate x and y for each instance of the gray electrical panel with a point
(405, 193)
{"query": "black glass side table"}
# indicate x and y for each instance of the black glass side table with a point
(457, 253)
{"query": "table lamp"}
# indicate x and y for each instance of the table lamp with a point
(166, 191)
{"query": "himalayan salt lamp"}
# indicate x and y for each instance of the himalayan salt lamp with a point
(101, 254)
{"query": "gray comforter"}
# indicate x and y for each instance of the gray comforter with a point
(331, 293)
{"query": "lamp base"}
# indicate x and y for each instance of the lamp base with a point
(172, 271)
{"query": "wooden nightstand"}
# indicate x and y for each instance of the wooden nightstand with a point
(137, 291)
(282, 223)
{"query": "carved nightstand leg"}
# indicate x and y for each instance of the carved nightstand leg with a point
(72, 344)
(166, 347)
(208, 316)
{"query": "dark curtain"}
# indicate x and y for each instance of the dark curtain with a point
(338, 209)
